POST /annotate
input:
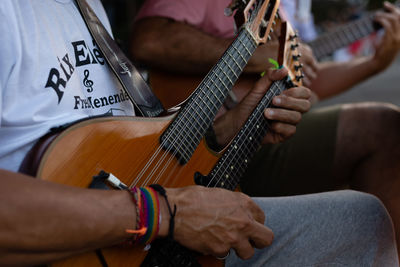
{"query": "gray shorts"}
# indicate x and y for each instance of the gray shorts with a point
(303, 164)
(339, 228)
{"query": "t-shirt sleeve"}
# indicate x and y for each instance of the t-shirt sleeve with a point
(7, 47)
(190, 11)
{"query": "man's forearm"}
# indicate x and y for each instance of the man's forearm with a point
(175, 46)
(346, 75)
(47, 221)
(182, 48)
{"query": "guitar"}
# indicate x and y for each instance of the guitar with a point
(233, 163)
(142, 151)
(342, 36)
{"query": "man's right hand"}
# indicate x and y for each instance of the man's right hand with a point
(213, 220)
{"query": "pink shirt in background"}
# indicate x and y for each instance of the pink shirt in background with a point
(207, 15)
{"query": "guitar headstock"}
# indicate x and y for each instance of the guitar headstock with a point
(258, 15)
(289, 55)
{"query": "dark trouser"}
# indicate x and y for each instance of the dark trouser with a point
(302, 164)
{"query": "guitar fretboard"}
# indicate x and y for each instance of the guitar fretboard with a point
(185, 132)
(233, 163)
(329, 42)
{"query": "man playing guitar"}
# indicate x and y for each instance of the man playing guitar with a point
(52, 73)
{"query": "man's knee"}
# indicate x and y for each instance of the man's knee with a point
(365, 129)
(368, 218)
(369, 117)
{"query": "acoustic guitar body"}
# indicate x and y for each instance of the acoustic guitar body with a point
(123, 146)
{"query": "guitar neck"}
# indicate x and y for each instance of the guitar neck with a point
(199, 111)
(233, 163)
(329, 42)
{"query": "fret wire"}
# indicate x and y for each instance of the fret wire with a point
(336, 41)
(354, 32)
(368, 23)
(201, 102)
(325, 47)
(201, 115)
(236, 63)
(198, 125)
(225, 70)
(241, 56)
(358, 29)
(244, 45)
(342, 39)
(316, 50)
(364, 31)
(194, 124)
(225, 75)
(214, 108)
(329, 45)
(215, 85)
(346, 31)
(222, 82)
(229, 66)
(214, 94)
(187, 138)
(232, 173)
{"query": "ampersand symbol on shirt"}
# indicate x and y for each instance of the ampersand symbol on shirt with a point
(88, 83)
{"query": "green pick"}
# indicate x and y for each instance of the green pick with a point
(275, 65)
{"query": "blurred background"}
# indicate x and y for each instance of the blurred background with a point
(328, 14)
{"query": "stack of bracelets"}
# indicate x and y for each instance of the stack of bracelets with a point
(148, 214)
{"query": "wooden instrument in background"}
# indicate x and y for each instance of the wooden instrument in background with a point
(344, 35)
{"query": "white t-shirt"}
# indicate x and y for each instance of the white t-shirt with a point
(51, 73)
(298, 12)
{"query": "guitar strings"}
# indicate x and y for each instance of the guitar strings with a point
(231, 159)
(220, 70)
(166, 153)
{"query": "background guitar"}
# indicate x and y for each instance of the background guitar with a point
(344, 35)
(172, 88)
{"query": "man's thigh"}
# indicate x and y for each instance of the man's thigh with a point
(303, 164)
(339, 228)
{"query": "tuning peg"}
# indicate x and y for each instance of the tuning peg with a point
(294, 46)
(292, 37)
(297, 67)
(299, 77)
(264, 23)
(296, 57)
(228, 11)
